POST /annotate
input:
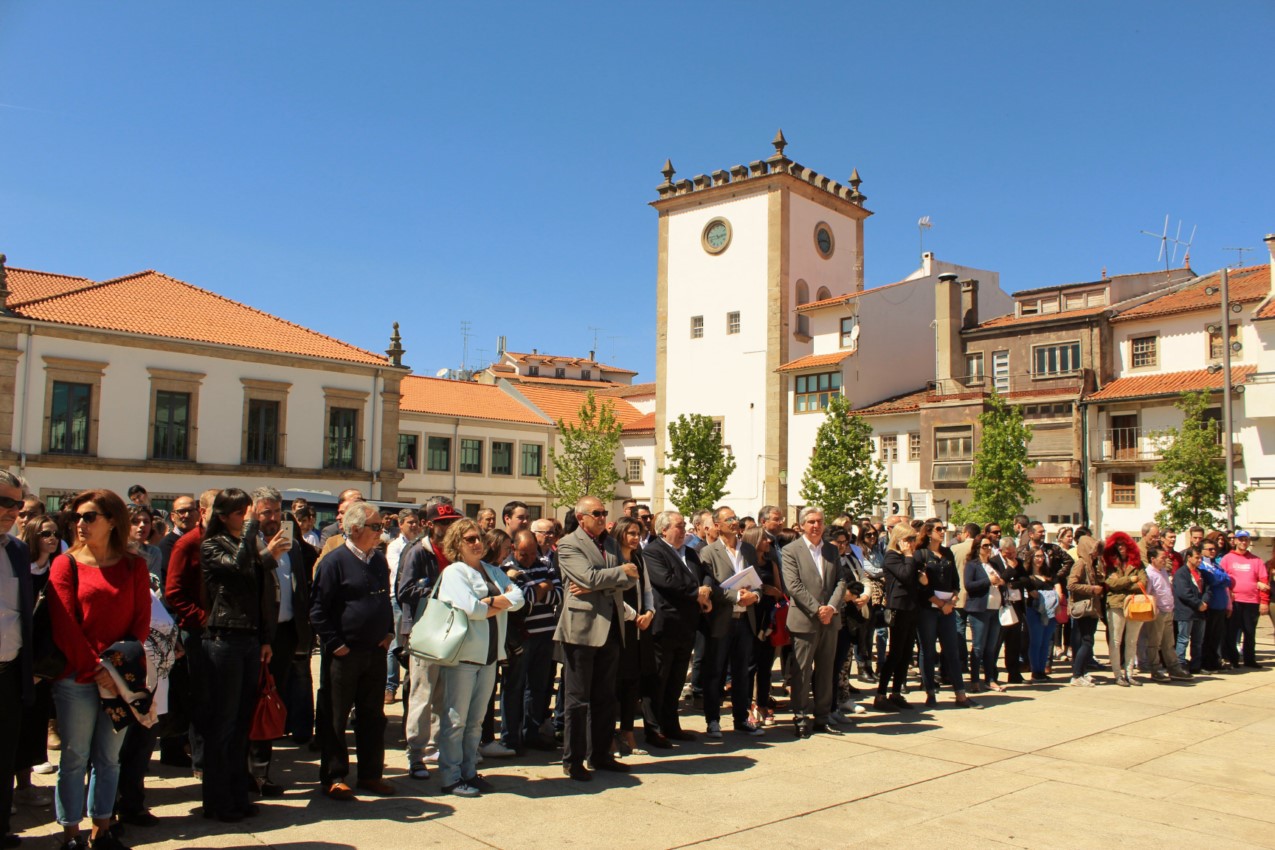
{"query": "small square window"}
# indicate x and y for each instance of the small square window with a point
(586, 374)
(502, 458)
(914, 445)
(1144, 351)
(560, 372)
(849, 339)
(697, 327)
(471, 456)
(732, 322)
(407, 444)
(633, 470)
(1124, 488)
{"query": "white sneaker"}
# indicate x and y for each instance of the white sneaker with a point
(496, 750)
(1081, 682)
(714, 730)
(858, 709)
(848, 705)
(45, 768)
(432, 758)
(750, 727)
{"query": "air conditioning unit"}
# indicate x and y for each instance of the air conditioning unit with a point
(900, 501)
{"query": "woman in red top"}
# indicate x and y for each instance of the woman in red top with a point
(101, 595)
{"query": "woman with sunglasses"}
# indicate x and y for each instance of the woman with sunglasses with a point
(984, 588)
(937, 615)
(903, 586)
(483, 593)
(101, 596)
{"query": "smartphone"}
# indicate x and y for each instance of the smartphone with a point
(289, 528)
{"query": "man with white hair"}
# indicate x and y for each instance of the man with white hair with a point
(811, 576)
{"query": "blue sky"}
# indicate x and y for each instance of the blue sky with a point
(347, 165)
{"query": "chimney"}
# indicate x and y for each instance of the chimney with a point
(534, 351)
(591, 353)
(969, 303)
(500, 347)
(4, 287)
(1269, 240)
(947, 332)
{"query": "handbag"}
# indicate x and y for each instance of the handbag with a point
(781, 636)
(438, 631)
(1008, 616)
(1083, 609)
(47, 660)
(1139, 607)
(270, 716)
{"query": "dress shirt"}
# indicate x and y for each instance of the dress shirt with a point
(365, 557)
(1161, 588)
(816, 552)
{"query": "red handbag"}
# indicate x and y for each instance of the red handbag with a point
(270, 716)
(781, 636)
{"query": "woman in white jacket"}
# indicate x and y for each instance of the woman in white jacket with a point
(483, 593)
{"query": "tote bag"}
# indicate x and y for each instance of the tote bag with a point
(438, 632)
(1139, 607)
(270, 716)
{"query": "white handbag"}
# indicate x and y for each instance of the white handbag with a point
(439, 631)
(1008, 616)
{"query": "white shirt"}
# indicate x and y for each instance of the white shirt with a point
(10, 607)
(394, 554)
(736, 565)
(816, 552)
(284, 574)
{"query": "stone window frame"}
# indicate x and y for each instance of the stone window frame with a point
(340, 397)
(522, 448)
(460, 454)
(513, 457)
(74, 371)
(425, 459)
(175, 381)
(632, 465)
(255, 389)
(1131, 490)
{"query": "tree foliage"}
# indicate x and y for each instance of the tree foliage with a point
(999, 486)
(1191, 475)
(586, 464)
(699, 465)
(844, 474)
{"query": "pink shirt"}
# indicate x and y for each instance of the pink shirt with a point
(1247, 571)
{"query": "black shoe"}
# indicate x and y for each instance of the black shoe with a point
(268, 788)
(143, 818)
(931, 700)
(230, 817)
(539, 743)
(106, 841)
(611, 765)
(826, 729)
(853, 691)
(659, 741)
(75, 842)
(250, 811)
(476, 781)
(578, 772)
(10, 840)
(798, 731)
(175, 759)
(682, 735)
(870, 678)
(1253, 665)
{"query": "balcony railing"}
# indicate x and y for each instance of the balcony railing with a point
(266, 450)
(1136, 444)
(1010, 384)
(342, 453)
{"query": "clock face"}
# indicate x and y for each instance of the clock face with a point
(716, 236)
(823, 240)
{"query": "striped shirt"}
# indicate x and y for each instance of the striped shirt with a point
(542, 616)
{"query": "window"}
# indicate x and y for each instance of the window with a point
(407, 445)
(803, 327)
(532, 459)
(803, 292)
(263, 432)
(1058, 410)
(1215, 341)
(633, 470)
(471, 456)
(69, 418)
(889, 448)
(974, 368)
(914, 445)
(697, 327)
(732, 322)
(1000, 371)
(438, 454)
(717, 427)
(533, 371)
(1144, 351)
(586, 374)
(954, 443)
(1028, 308)
(1124, 488)
(472, 509)
(343, 438)
(560, 372)
(815, 391)
(849, 338)
(1052, 360)
(502, 458)
(172, 426)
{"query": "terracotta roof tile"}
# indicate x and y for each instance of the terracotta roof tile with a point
(463, 398)
(905, 403)
(566, 383)
(646, 423)
(1168, 383)
(565, 404)
(810, 361)
(155, 304)
(560, 360)
(1245, 286)
(849, 296)
(1267, 311)
(629, 390)
(26, 285)
(1011, 319)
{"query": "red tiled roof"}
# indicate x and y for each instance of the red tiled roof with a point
(1267, 310)
(905, 403)
(646, 423)
(559, 360)
(154, 304)
(629, 390)
(849, 296)
(565, 383)
(565, 404)
(28, 285)
(1011, 319)
(810, 361)
(463, 398)
(1168, 383)
(1245, 286)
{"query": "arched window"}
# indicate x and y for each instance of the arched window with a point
(823, 293)
(803, 293)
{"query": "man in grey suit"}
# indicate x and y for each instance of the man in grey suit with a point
(590, 631)
(811, 576)
(732, 626)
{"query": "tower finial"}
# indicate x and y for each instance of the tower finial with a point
(855, 179)
(668, 171)
(780, 142)
(395, 351)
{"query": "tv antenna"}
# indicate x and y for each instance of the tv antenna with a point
(1239, 262)
(595, 339)
(1167, 254)
(923, 224)
(464, 335)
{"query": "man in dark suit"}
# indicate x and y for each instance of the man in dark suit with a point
(16, 604)
(591, 632)
(811, 571)
(731, 626)
(683, 593)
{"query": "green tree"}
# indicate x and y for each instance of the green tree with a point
(844, 475)
(586, 464)
(699, 464)
(1191, 475)
(999, 485)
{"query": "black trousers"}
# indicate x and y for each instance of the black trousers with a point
(234, 663)
(197, 697)
(902, 638)
(731, 653)
(1012, 638)
(10, 731)
(588, 677)
(1242, 624)
(355, 680)
(135, 760)
(283, 647)
(672, 659)
(1214, 634)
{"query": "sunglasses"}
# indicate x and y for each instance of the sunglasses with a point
(46, 534)
(986, 546)
(471, 539)
(182, 511)
(375, 526)
(88, 517)
(9, 504)
(598, 514)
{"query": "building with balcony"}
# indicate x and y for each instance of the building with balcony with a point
(562, 371)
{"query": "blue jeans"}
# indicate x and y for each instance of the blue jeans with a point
(932, 624)
(985, 627)
(513, 685)
(466, 690)
(233, 664)
(392, 667)
(1040, 640)
(1190, 633)
(88, 735)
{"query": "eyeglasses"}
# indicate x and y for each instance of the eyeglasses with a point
(471, 539)
(182, 511)
(730, 520)
(940, 528)
(46, 534)
(9, 504)
(375, 526)
(88, 517)
(598, 514)
(993, 531)
(985, 546)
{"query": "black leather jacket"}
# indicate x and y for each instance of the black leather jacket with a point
(241, 595)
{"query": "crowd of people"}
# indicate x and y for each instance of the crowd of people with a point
(126, 631)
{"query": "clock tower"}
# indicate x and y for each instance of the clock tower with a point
(739, 250)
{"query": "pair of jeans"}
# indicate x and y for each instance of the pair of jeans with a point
(88, 736)
(424, 704)
(1040, 640)
(1190, 633)
(466, 690)
(932, 624)
(985, 626)
(1083, 630)
(1122, 635)
(233, 664)
(197, 693)
(894, 668)
(513, 685)
(393, 669)
(356, 680)
(1242, 624)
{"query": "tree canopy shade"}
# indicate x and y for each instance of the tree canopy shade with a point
(699, 464)
(1191, 474)
(844, 475)
(998, 484)
(586, 464)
